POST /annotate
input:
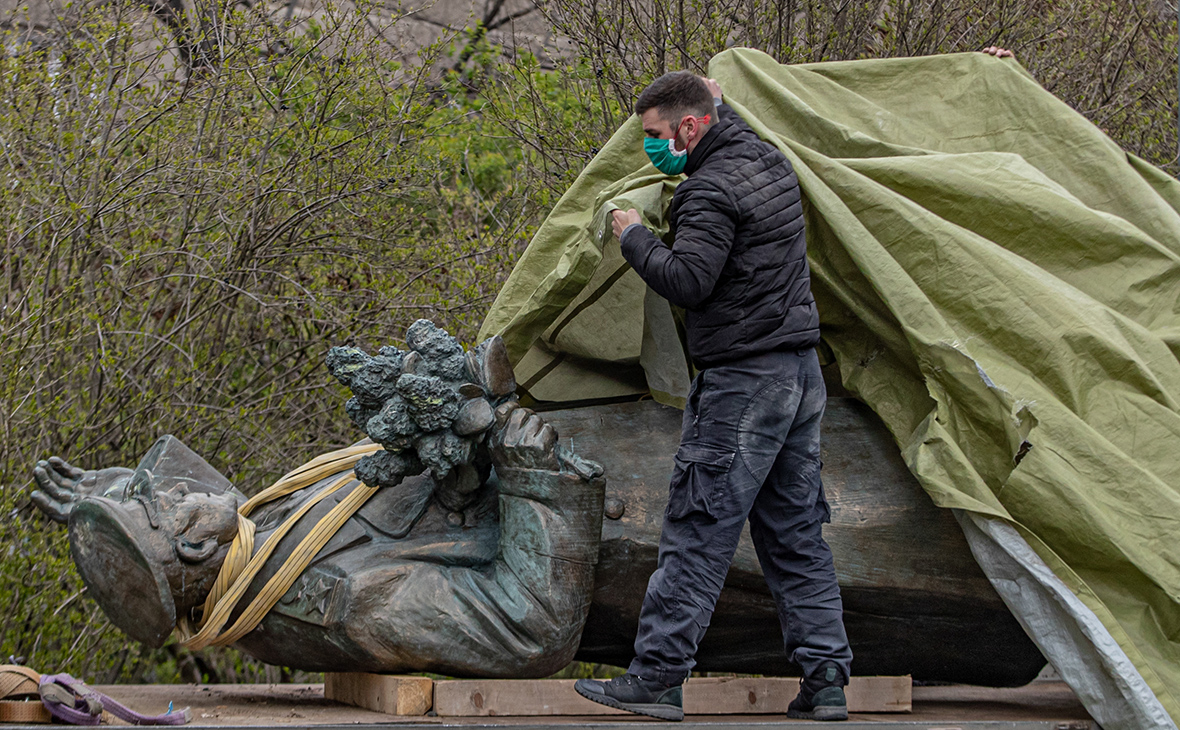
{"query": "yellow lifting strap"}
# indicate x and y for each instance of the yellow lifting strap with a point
(20, 695)
(242, 564)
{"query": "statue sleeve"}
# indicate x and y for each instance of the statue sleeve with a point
(523, 615)
(109, 483)
(550, 529)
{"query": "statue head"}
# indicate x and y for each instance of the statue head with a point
(152, 556)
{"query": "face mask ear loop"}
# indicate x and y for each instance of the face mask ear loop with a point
(676, 134)
(672, 145)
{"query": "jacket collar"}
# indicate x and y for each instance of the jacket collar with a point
(720, 134)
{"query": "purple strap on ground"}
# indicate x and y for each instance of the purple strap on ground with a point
(90, 704)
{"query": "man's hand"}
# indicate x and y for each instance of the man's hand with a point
(999, 52)
(60, 486)
(714, 87)
(621, 220)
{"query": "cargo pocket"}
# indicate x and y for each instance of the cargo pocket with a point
(700, 473)
(822, 507)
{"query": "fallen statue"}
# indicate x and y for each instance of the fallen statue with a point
(483, 565)
(462, 538)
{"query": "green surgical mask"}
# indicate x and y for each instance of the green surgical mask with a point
(664, 155)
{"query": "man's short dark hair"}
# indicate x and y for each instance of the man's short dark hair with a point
(675, 95)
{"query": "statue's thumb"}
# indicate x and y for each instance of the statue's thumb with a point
(582, 467)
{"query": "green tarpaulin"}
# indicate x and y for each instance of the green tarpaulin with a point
(995, 277)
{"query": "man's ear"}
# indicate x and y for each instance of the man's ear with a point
(691, 128)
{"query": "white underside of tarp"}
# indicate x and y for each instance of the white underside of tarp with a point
(1067, 632)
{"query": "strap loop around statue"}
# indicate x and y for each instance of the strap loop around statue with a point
(241, 565)
(303, 476)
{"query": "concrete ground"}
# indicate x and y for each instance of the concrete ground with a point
(1047, 705)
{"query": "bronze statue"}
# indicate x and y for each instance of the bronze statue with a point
(501, 554)
(482, 567)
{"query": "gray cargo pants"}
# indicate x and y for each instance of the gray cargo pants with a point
(749, 448)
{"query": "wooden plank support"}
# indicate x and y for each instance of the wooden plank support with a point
(393, 695)
(702, 696)
(878, 694)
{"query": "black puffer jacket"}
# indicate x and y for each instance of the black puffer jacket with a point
(738, 265)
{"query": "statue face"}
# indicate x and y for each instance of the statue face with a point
(191, 541)
(146, 559)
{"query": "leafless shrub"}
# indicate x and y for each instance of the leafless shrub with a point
(1114, 61)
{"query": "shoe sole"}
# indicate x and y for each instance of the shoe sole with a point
(658, 711)
(823, 713)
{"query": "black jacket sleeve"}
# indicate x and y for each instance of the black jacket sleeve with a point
(686, 273)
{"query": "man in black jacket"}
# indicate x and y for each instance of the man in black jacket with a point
(750, 441)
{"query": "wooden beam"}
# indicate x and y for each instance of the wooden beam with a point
(702, 696)
(880, 694)
(392, 695)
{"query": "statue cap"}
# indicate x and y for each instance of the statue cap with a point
(112, 557)
(168, 464)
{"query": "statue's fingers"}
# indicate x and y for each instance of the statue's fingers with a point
(514, 431)
(504, 411)
(539, 438)
(53, 509)
(515, 419)
(39, 474)
(532, 428)
(52, 472)
(582, 467)
(66, 469)
(547, 437)
(51, 486)
(529, 431)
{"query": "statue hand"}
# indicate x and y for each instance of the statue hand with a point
(61, 485)
(523, 440)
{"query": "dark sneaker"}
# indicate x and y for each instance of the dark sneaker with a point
(821, 696)
(635, 694)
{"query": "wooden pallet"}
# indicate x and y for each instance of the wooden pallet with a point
(533, 697)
